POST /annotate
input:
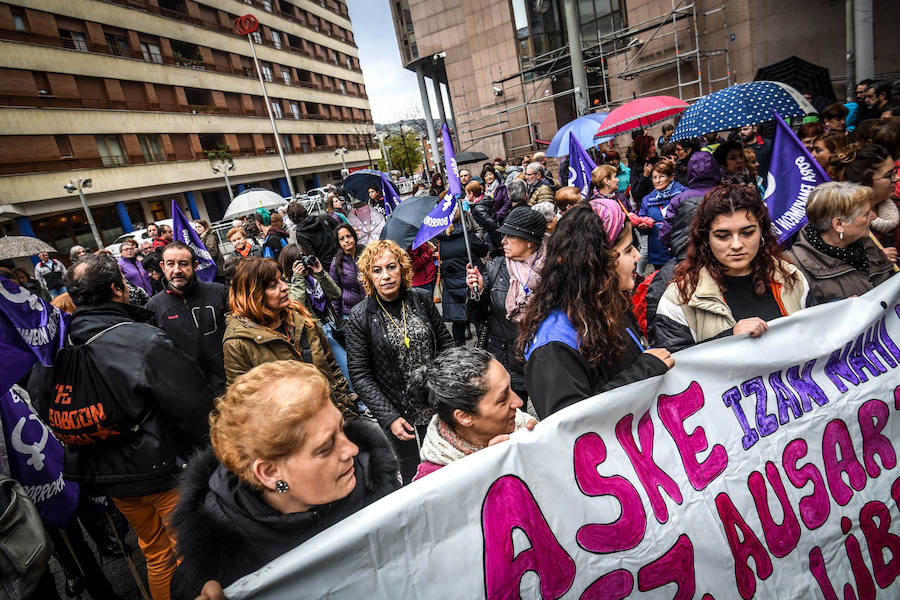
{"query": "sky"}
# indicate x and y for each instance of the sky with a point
(393, 91)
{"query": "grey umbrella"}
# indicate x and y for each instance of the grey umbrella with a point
(17, 246)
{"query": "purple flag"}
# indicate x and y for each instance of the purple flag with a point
(206, 266)
(441, 215)
(793, 174)
(30, 331)
(580, 167)
(390, 195)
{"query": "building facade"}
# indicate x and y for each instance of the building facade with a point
(506, 62)
(135, 94)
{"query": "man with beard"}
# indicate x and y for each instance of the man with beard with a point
(192, 312)
(751, 139)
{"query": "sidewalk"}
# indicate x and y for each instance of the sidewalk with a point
(116, 569)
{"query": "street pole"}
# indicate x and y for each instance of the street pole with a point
(341, 152)
(223, 167)
(850, 43)
(76, 185)
(579, 78)
(247, 25)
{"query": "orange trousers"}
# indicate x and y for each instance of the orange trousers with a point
(149, 516)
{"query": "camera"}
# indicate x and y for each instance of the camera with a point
(309, 261)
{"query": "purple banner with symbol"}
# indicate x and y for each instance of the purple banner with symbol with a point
(580, 167)
(793, 174)
(391, 197)
(441, 215)
(206, 266)
(30, 331)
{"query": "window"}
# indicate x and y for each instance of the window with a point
(267, 6)
(64, 146)
(349, 63)
(295, 109)
(276, 109)
(249, 72)
(276, 39)
(334, 56)
(152, 148)
(257, 37)
(287, 143)
(110, 148)
(342, 87)
(151, 52)
(74, 40)
(286, 76)
(19, 21)
(118, 45)
(267, 73)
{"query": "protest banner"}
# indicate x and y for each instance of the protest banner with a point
(580, 167)
(206, 266)
(793, 174)
(754, 468)
(441, 215)
(390, 195)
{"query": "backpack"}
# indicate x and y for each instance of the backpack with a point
(82, 410)
(53, 279)
(25, 546)
(267, 251)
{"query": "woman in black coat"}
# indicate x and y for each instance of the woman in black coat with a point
(395, 330)
(267, 485)
(453, 274)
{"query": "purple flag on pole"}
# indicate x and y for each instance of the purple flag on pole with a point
(580, 167)
(389, 193)
(206, 267)
(30, 331)
(441, 215)
(793, 174)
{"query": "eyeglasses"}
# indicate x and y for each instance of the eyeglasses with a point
(892, 176)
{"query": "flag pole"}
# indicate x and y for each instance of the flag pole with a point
(464, 207)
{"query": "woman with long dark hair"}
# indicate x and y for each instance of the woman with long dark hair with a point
(344, 272)
(588, 346)
(438, 187)
(734, 278)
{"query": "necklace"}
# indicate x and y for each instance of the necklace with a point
(525, 287)
(405, 331)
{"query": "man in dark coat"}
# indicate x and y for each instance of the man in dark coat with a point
(192, 312)
(128, 368)
(314, 233)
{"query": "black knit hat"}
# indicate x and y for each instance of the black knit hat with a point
(526, 223)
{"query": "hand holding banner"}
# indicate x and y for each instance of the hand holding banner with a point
(793, 174)
(206, 267)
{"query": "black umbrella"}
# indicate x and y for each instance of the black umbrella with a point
(357, 184)
(465, 158)
(404, 221)
(803, 76)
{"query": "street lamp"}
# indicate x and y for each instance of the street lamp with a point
(342, 151)
(223, 166)
(77, 185)
(384, 153)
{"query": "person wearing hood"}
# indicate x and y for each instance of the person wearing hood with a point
(275, 236)
(655, 205)
(314, 233)
(284, 466)
(192, 312)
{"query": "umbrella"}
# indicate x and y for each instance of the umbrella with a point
(641, 113)
(803, 76)
(17, 246)
(405, 220)
(583, 128)
(465, 158)
(357, 183)
(741, 105)
(248, 201)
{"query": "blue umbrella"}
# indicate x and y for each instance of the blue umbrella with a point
(357, 184)
(583, 128)
(741, 105)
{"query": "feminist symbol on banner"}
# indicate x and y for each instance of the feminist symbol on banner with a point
(245, 25)
(33, 450)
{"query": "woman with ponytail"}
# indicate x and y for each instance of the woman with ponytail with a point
(474, 407)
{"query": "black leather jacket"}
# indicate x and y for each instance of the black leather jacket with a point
(154, 382)
(372, 361)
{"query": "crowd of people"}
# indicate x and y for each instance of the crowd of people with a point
(324, 367)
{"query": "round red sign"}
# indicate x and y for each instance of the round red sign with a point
(245, 25)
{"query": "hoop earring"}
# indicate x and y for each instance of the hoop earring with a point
(281, 486)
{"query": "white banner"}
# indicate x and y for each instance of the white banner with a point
(755, 467)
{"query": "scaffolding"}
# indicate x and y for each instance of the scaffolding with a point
(674, 48)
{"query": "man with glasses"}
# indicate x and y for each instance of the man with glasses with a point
(132, 268)
(540, 188)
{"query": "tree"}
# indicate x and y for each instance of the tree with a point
(405, 152)
(361, 133)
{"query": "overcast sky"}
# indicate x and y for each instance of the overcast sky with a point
(393, 91)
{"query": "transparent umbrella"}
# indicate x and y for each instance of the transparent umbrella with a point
(18, 246)
(248, 201)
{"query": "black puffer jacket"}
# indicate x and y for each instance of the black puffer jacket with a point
(154, 382)
(225, 530)
(453, 271)
(372, 361)
(195, 321)
(483, 213)
(502, 333)
(316, 235)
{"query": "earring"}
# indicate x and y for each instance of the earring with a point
(841, 235)
(281, 486)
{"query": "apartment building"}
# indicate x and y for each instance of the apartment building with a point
(134, 94)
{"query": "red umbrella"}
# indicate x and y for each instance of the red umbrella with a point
(641, 113)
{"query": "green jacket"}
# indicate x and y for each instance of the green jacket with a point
(248, 344)
(298, 289)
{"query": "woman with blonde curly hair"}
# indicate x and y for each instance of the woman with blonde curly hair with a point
(395, 330)
(265, 325)
(284, 466)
